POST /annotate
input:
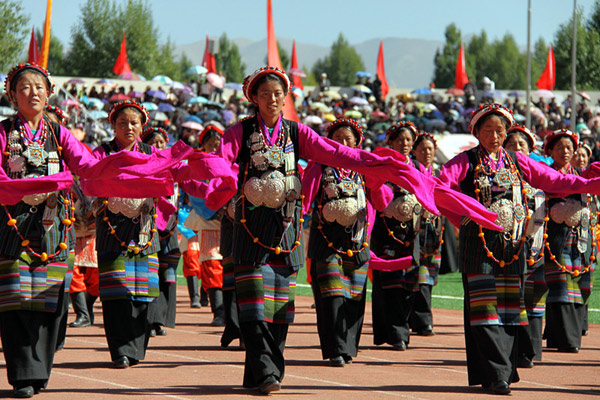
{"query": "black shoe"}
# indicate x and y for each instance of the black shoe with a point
(524, 362)
(568, 349)
(584, 332)
(121, 362)
(400, 346)
(500, 387)
(152, 333)
(218, 321)
(24, 392)
(80, 322)
(337, 361)
(347, 359)
(161, 332)
(271, 384)
(195, 304)
(427, 330)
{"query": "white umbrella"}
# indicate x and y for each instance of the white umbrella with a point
(215, 80)
(450, 145)
(358, 100)
(158, 116)
(312, 120)
(164, 79)
(547, 94)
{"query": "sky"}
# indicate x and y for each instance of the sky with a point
(321, 21)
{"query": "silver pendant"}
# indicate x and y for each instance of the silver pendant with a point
(36, 154)
(274, 156)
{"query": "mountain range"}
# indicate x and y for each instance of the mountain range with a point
(408, 62)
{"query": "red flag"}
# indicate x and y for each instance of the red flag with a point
(289, 111)
(296, 80)
(460, 77)
(208, 60)
(43, 59)
(34, 52)
(548, 78)
(381, 72)
(121, 65)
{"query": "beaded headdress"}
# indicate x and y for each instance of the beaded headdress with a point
(405, 124)
(428, 136)
(208, 129)
(490, 109)
(154, 129)
(124, 104)
(525, 132)
(557, 134)
(58, 111)
(251, 79)
(32, 66)
(352, 124)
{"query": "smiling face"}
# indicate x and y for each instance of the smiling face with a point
(269, 98)
(403, 143)
(31, 93)
(128, 127)
(424, 152)
(344, 135)
(562, 151)
(491, 133)
(517, 142)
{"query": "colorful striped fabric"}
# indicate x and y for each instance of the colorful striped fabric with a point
(564, 287)
(338, 277)
(29, 284)
(536, 291)
(128, 277)
(496, 300)
(265, 292)
(228, 274)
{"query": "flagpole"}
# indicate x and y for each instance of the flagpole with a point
(573, 66)
(528, 91)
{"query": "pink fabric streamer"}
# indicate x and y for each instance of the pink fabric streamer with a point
(13, 190)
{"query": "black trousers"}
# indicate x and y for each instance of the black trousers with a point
(29, 340)
(163, 310)
(232, 323)
(339, 322)
(391, 310)
(530, 339)
(564, 324)
(127, 328)
(421, 315)
(264, 351)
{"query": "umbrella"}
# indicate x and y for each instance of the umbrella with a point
(543, 93)
(362, 88)
(233, 86)
(75, 81)
(214, 104)
(329, 117)
(450, 145)
(455, 92)
(333, 95)
(358, 101)
(363, 74)
(297, 72)
(584, 95)
(196, 69)
(163, 79)
(105, 82)
(158, 94)
(520, 117)
(209, 115)
(69, 102)
(92, 101)
(312, 120)
(98, 114)
(150, 106)
(177, 85)
(132, 76)
(298, 92)
(192, 125)
(118, 97)
(6, 111)
(405, 97)
(494, 94)
(197, 100)
(515, 93)
(320, 107)
(165, 107)
(379, 116)
(381, 126)
(353, 114)
(422, 91)
(215, 80)
(228, 116)
(192, 118)
(158, 115)
(134, 94)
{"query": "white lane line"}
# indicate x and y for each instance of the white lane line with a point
(55, 372)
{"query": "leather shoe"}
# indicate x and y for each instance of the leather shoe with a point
(568, 349)
(152, 332)
(401, 346)
(121, 362)
(427, 330)
(161, 332)
(524, 362)
(500, 387)
(80, 322)
(347, 359)
(337, 361)
(271, 384)
(24, 392)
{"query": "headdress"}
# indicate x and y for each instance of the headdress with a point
(404, 124)
(32, 66)
(587, 148)
(525, 132)
(426, 135)
(352, 124)
(208, 129)
(155, 129)
(251, 79)
(118, 106)
(58, 111)
(490, 109)
(556, 135)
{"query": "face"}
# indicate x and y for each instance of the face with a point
(403, 143)
(580, 158)
(517, 142)
(562, 152)
(344, 136)
(211, 145)
(424, 152)
(128, 127)
(270, 97)
(491, 133)
(158, 141)
(31, 93)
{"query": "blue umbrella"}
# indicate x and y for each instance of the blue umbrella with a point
(166, 107)
(98, 114)
(233, 86)
(214, 104)
(192, 118)
(363, 74)
(197, 100)
(196, 69)
(422, 91)
(158, 94)
(515, 93)
(209, 115)
(150, 106)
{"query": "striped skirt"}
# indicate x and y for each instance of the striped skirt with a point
(27, 283)
(429, 269)
(128, 276)
(228, 275)
(496, 300)
(168, 264)
(265, 292)
(536, 291)
(339, 277)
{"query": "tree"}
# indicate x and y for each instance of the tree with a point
(478, 55)
(229, 61)
(14, 24)
(508, 64)
(167, 64)
(57, 64)
(445, 60)
(539, 56)
(342, 63)
(594, 21)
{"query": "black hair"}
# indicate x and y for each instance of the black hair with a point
(267, 78)
(398, 131)
(523, 135)
(354, 132)
(422, 138)
(17, 77)
(210, 134)
(152, 135)
(554, 140)
(504, 120)
(120, 111)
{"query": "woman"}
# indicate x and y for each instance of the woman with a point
(494, 262)
(162, 311)
(127, 238)
(571, 250)
(267, 246)
(520, 139)
(338, 248)
(36, 221)
(432, 231)
(582, 156)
